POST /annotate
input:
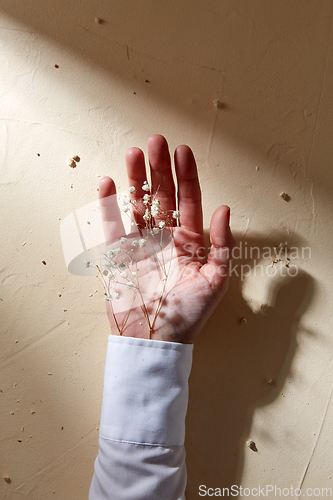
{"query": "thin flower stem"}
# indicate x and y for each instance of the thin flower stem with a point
(120, 262)
(129, 312)
(159, 305)
(161, 264)
(172, 247)
(165, 273)
(146, 316)
(144, 309)
(120, 330)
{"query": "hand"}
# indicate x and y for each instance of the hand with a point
(194, 284)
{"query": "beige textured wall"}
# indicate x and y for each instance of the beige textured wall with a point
(157, 67)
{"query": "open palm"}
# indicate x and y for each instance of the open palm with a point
(175, 308)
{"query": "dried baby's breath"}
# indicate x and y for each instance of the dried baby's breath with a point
(120, 268)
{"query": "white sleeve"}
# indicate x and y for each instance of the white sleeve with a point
(141, 444)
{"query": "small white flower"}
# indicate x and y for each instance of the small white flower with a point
(146, 199)
(123, 274)
(176, 214)
(110, 254)
(135, 243)
(123, 241)
(155, 230)
(132, 189)
(146, 215)
(161, 224)
(129, 284)
(115, 296)
(145, 186)
(133, 273)
(117, 251)
(155, 208)
(86, 263)
(142, 243)
(126, 200)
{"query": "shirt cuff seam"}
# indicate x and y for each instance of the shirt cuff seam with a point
(151, 343)
(139, 442)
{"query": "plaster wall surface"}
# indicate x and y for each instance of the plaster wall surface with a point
(71, 86)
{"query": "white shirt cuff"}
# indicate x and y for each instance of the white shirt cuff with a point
(145, 391)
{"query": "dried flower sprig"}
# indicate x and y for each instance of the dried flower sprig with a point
(135, 268)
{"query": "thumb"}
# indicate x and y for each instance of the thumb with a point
(216, 270)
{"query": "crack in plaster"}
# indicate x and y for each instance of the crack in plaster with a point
(29, 122)
(297, 164)
(313, 200)
(220, 94)
(318, 436)
(210, 140)
(140, 53)
(18, 30)
(30, 344)
(321, 92)
(210, 68)
(247, 224)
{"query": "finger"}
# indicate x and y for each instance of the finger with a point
(161, 173)
(111, 217)
(222, 242)
(189, 194)
(136, 173)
